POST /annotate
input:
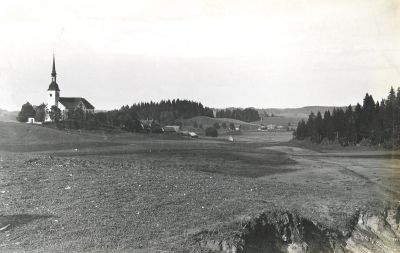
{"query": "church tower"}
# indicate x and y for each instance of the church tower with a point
(53, 93)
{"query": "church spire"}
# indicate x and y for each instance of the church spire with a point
(53, 72)
(53, 84)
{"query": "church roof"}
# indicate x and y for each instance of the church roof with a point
(73, 102)
(54, 86)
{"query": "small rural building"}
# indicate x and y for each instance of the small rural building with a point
(33, 121)
(171, 129)
(151, 126)
(271, 126)
(193, 135)
(262, 128)
(65, 104)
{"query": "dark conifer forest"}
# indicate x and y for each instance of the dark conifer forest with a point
(247, 115)
(164, 112)
(376, 122)
(167, 111)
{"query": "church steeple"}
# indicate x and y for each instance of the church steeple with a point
(53, 84)
(53, 72)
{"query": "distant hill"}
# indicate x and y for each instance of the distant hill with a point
(285, 116)
(208, 121)
(7, 116)
(279, 120)
(300, 113)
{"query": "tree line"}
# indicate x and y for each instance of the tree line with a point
(127, 117)
(246, 115)
(31, 111)
(168, 111)
(376, 122)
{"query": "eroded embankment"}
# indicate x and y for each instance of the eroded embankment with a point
(289, 232)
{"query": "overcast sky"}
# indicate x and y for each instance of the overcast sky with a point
(243, 53)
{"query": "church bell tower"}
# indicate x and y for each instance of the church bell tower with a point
(53, 93)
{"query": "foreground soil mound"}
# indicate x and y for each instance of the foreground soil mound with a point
(289, 232)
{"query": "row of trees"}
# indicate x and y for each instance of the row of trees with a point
(377, 122)
(127, 117)
(247, 115)
(30, 111)
(168, 111)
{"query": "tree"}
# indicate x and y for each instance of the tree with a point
(55, 114)
(216, 125)
(329, 131)
(27, 111)
(318, 128)
(301, 132)
(211, 131)
(378, 122)
(40, 112)
(350, 132)
(77, 116)
(248, 114)
(223, 125)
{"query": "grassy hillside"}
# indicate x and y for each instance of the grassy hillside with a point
(279, 120)
(207, 121)
(21, 133)
(22, 137)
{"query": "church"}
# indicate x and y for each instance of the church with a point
(65, 104)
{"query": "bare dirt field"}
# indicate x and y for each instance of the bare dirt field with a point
(103, 192)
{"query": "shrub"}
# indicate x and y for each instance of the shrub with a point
(26, 112)
(216, 125)
(40, 112)
(211, 131)
(55, 114)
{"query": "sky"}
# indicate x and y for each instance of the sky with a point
(223, 53)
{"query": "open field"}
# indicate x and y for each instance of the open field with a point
(207, 121)
(122, 192)
(279, 120)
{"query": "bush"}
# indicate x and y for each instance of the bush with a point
(40, 113)
(55, 114)
(211, 131)
(26, 112)
(216, 125)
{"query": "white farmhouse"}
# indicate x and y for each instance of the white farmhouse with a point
(65, 104)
